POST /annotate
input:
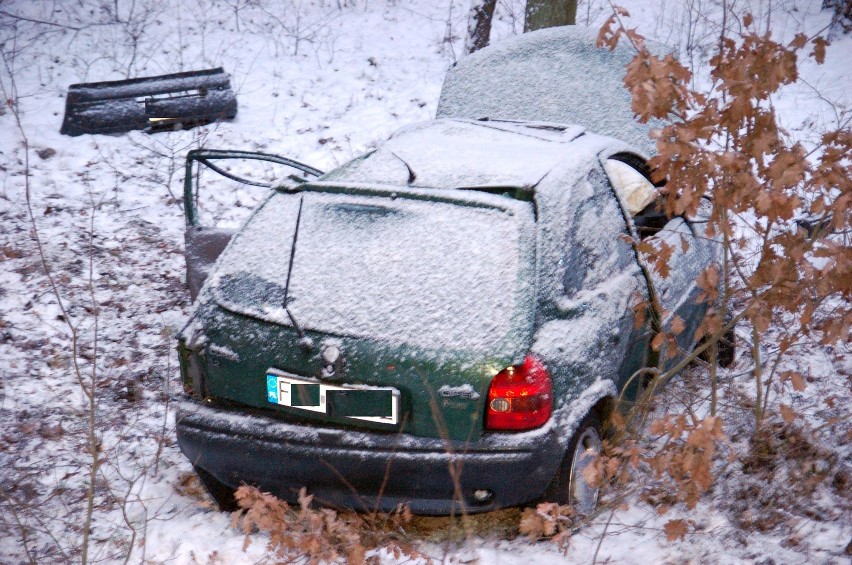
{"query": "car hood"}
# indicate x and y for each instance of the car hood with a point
(556, 75)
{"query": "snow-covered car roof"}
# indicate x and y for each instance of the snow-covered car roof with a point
(463, 154)
(555, 74)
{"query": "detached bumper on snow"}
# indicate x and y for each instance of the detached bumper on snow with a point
(349, 469)
(149, 103)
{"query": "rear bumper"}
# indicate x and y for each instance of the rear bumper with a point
(351, 468)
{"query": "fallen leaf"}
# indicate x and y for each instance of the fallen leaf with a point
(675, 529)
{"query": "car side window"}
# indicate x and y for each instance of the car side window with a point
(651, 220)
(574, 258)
(595, 248)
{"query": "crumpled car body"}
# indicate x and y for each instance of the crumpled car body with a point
(434, 322)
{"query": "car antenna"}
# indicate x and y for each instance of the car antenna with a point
(412, 176)
(305, 342)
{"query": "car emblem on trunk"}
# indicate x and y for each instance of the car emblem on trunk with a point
(332, 361)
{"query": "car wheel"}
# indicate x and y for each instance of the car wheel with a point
(569, 486)
(221, 493)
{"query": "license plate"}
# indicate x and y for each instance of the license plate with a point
(365, 403)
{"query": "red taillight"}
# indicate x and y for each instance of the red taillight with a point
(520, 397)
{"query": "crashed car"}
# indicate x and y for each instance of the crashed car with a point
(443, 322)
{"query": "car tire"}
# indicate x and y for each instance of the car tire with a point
(221, 493)
(568, 486)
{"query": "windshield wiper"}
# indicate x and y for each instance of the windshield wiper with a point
(412, 176)
(305, 342)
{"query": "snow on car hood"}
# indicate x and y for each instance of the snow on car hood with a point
(423, 273)
(555, 74)
(462, 154)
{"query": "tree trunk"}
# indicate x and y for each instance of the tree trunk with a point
(549, 13)
(479, 24)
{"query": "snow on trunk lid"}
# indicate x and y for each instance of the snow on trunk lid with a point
(428, 274)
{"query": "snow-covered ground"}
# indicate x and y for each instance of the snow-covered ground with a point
(320, 81)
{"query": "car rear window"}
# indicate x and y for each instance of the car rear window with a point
(435, 275)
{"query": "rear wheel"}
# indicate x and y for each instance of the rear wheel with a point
(221, 493)
(569, 486)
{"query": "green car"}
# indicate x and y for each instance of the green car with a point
(442, 322)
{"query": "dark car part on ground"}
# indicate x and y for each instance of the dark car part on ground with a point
(151, 103)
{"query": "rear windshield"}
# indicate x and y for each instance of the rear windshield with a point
(434, 275)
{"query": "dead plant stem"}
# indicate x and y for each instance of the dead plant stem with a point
(13, 505)
(603, 535)
(88, 392)
(758, 376)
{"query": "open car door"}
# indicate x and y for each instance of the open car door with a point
(221, 188)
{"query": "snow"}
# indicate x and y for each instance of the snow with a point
(321, 84)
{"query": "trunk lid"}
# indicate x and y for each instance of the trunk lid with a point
(428, 292)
